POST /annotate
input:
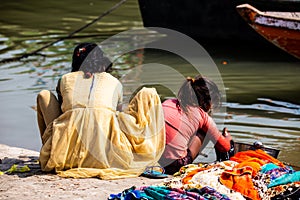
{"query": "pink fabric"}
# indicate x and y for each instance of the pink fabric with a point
(186, 126)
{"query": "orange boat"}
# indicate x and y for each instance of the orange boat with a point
(280, 28)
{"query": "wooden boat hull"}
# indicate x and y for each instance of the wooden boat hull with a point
(280, 28)
(207, 20)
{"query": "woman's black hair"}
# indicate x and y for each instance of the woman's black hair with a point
(89, 58)
(199, 92)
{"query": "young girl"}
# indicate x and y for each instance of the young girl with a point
(187, 122)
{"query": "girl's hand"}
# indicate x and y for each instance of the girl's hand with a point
(226, 134)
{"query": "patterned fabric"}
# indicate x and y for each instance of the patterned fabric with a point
(267, 167)
(162, 192)
(241, 177)
(202, 181)
(197, 176)
(281, 191)
(210, 193)
(260, 182)
(210, 179)
(285, 179)
(277, 172)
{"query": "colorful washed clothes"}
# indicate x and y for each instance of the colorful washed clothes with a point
(260, 154)
(162, 192)
(240, 180)
(197, 176)
(260, 182)
(267, 167)
(187, 172)
(285, 179)
(241, 177)
(280, 175)
(210, 178)
(204, 179)
(282, 191)
(279, 171)
(92, 139)
(290, 190)
(180, 128)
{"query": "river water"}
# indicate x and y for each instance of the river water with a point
(262, 91)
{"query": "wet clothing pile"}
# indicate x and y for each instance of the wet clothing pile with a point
(251, 174)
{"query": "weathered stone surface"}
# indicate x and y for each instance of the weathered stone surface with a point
(37, 185)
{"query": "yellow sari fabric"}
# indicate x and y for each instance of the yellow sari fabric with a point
(97, 141)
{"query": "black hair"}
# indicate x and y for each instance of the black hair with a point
(198, 92)
(89, 58)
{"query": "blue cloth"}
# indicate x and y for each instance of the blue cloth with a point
(162, 192)
(210, 193)
(268, 167)
(130, 194)
(285, 179)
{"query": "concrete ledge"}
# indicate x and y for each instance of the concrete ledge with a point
(37, 185)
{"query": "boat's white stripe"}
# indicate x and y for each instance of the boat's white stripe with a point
(270, 21)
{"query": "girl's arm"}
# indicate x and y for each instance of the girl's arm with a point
(222, 142)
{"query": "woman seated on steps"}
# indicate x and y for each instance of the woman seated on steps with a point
(83, 134)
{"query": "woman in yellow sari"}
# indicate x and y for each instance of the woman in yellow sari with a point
(83, 134)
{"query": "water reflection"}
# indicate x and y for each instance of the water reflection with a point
(275, 107)
(274, 122)
(263, 99)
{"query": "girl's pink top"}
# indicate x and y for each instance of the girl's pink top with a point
(181, 127)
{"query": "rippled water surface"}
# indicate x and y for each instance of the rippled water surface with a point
(263, 95)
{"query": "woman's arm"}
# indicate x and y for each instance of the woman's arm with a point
(60, 100)
(222, 142)
(120, 97)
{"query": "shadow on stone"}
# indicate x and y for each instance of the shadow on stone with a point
(23, 166)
